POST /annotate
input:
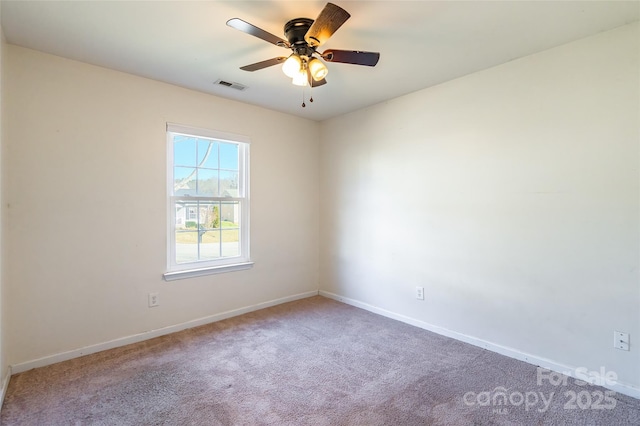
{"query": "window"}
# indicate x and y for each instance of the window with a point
(208, 192)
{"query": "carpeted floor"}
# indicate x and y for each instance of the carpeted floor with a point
(309, 362)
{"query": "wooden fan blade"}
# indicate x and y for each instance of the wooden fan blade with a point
(251, 29)
(351, 57)
(330, 19)
(264, 64)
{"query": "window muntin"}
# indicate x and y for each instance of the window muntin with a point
(208, 197)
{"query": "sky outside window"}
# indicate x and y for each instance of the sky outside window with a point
(205, 166)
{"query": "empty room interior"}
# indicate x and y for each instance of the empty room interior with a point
(454, 209)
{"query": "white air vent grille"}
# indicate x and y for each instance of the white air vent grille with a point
(231, 85)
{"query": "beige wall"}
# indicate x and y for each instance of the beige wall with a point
(4, 365)
(511, 195)
(88, 210)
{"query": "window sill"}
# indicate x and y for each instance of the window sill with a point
(190, 273)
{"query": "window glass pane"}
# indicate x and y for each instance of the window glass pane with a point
(180, 217)
(230, 223)
(207, 153)
(230, 242)
(209, 228)
(186, 216)
(210, 215)
(209, 238)
(230, 215)
(228, 156)
(210, 247)
(186, 246)
(184, 151)
(228, 184)
(207, 182)
(184, 180)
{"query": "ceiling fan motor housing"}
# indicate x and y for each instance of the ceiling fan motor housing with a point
(294, 31)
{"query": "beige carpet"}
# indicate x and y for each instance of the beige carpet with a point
(310, 362)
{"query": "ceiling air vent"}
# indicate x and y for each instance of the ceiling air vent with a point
(236, 86)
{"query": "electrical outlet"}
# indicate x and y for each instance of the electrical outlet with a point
(154, 300)
(420, 293)
(621, 340)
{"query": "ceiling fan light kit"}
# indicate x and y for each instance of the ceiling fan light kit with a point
(298, 68)
(304, 66)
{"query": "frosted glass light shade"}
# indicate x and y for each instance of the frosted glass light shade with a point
(318, 69)
(300, 79)
(292, 66)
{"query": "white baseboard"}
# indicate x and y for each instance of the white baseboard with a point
(5, 385)
(64, 356)
(622, 388)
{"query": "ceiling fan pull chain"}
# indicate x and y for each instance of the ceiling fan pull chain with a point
(303, 104)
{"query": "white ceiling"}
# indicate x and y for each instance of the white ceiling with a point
(421, 43)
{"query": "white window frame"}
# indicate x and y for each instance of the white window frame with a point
(176, 270)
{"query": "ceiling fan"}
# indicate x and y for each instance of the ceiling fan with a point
(304, 36)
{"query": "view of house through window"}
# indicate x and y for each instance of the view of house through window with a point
(208, 199)
(210, 230)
